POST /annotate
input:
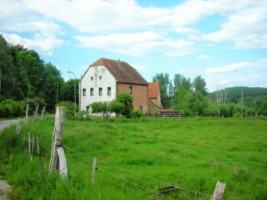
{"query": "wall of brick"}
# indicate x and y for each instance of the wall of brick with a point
(139, 93)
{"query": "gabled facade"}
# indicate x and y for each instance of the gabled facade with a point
(106, 78)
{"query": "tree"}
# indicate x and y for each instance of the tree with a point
(164, 82)
(197, 103)
(199, 85)
(127, 101)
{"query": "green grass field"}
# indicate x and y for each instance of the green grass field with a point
(135, 158)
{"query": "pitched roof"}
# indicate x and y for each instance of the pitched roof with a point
(153, 90)
(122, 71)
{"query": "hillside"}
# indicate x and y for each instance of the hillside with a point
(233, 94)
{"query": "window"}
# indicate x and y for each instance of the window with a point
(141, 108)
(109, 91)
(91, 91)
(84, 92)
(92, 78)
(130, 89)
(100, 78)
(100, 91)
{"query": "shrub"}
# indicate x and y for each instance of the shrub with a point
(127, 101)
(69, 107)
(137, 114)
(10, 108)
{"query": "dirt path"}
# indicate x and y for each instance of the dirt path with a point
(6, 123)
(4, 189)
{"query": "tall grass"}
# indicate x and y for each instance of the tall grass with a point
(135, 158)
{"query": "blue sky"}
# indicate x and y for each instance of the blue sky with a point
(224, 41)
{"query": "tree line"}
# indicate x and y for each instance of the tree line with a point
(26, 78)
(192, 97)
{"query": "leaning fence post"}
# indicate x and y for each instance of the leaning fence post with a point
(63, 170)
(42, 116)
(18, 127)
(33, 140)
(37, 146)
(35, 112)
(93, 170)
(218, 191)
(56, 138)
(26, 114)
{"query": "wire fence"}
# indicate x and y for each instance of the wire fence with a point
(136, 180)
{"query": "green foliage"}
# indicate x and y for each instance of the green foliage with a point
(199, 85)
(10, 108)
(69, 107)
(193, 153)
(198, 103)
(117, 107)
(126, 100)
(164, 83)
(137, 114)
(263, 108)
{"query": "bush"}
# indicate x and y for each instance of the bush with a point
(69, 107)
(10, 108)
(137, 114)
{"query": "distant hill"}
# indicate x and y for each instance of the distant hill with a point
(233, 94)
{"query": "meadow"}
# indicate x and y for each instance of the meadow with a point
(136, 157)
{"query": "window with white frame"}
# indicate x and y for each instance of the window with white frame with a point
(109, 91)
(130, 89)
(91, 91)
(100, 91)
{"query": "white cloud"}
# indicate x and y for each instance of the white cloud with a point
(44, 44)
(137, 44)
(246, 28)
(252, 74)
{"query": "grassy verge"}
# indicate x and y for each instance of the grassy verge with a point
(137, 157)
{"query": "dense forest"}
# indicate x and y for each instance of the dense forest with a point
(26, 78)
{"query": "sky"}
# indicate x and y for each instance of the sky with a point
(224, 41)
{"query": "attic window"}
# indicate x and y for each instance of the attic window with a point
(92, 78)
(130, 89)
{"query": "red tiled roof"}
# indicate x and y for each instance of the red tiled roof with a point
(168, 111)
(122, 71)
(153, 90)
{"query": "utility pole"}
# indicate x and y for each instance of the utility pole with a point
(74, 92)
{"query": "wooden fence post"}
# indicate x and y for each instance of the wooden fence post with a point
(35, 112)
(18, 127)
(37, 146)
(42, 116)
(93, 170)
(56, 139)
(63, 170)
(26, 114)
(218, 191)
(33, 140)
(29, 141)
